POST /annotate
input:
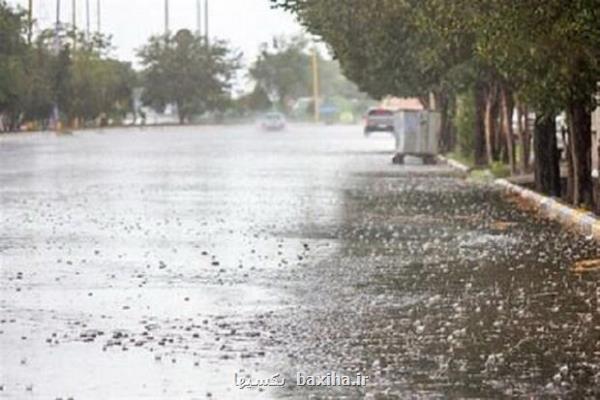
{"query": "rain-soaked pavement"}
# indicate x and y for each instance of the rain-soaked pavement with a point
(161, 263)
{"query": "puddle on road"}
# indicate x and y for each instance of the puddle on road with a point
(159, 270)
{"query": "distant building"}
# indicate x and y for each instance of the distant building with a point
(398, 103)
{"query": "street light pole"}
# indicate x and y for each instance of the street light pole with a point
(166, 17)
(315, 71)
(99, 16)
(87, 18)
(30, 22)
(55, 110)
(74, 14)
(199, 18)
(74, 22)
(206, 33)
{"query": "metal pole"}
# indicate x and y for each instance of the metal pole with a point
(206, 21)
(199, 17)
(74, 22)
(166, 17)
(55, 110)
(315, 71)
(57, 28)
(87, 17)
(30, 22)
(99, 16)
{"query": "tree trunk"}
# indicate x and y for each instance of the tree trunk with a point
(507, 112)
(490, 122)
(479, 131)
(442, 106)
(569, 158)
(580, 146)
(181, 113)
(524, 137)
(546, 156)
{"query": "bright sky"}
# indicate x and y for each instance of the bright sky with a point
(244, 23)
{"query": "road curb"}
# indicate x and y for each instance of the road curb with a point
(454, 164)
(584, 221)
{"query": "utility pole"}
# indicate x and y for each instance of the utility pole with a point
(199, 18)
(55, 110)
(315, 71)
(99, 16)
(57, 13)
(30, 22)
(57, 29)
(166, 17)
(87, 18)
(74, 22)
(206, 21)
(74, 14)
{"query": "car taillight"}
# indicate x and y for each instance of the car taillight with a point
(381, 112)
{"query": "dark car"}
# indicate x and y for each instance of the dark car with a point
(379, 120)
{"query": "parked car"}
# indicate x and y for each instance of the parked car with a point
(273, 121)
(379, 120)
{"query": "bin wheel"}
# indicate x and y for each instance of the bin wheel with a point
(429, 160)
(398, 159)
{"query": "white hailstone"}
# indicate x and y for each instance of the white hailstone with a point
(460, 332)
(564, 370)
(434, 299)
(557, 378)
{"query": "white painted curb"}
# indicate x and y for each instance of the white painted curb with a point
(585, 222)
(454, 164)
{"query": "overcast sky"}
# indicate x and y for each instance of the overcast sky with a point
(245, 23)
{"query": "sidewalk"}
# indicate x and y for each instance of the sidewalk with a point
(585, 222)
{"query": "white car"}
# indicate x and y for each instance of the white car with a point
(273, 121)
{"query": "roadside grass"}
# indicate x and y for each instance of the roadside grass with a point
(497, 169)
(461, 158)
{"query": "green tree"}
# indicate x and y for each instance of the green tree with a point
(102, 86)
(550, 51)
(544, 53)
(257, 100)
(13, 52)
(387, 48)
(282, 70)
(186, 71)
(81, 79)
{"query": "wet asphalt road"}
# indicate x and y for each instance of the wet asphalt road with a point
(161, 263)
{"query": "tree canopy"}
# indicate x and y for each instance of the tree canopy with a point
(184, 70)
(539, 53)
(62, 68)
